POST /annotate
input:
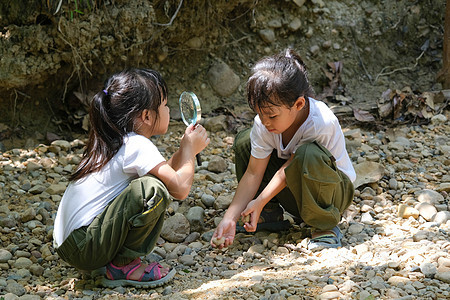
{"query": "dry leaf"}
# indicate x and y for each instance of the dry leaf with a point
(363, 115)
(384, 110)
(429, 99)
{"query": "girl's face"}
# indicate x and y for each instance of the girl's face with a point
(278, 119)
(162, 124)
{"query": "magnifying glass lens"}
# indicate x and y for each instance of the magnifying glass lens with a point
(190, 108)
(187, 110)
(191, 112)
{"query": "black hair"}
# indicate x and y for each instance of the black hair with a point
(113, 112)
(278, 80)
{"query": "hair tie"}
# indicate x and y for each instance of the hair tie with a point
(105, 91)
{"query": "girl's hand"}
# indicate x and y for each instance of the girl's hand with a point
(254, 210)
(195, 138)
(226, 229)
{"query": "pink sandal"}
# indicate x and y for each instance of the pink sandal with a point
(150, 278)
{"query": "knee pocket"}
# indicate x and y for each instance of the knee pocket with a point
(323, 192)
(153, 211)
(153, 197)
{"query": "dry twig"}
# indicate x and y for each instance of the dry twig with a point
(173, 17)
(399, 69)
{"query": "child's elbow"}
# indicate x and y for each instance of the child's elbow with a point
(179, 189)
(179, 195)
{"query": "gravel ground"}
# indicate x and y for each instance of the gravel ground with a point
(396, 234)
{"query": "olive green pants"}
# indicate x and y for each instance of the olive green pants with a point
(128, 227)
(317, 191)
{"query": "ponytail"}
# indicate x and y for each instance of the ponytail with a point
(113, 112)
(104, 139)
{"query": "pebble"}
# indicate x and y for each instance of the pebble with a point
(208, 200)
(5, 255)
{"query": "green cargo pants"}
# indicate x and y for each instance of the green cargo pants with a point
(317, 191)
(128, 227)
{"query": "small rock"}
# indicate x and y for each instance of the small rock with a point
(223, 201)
(441, 217)
(15, 288)
(426, 210)
(37, 189)
(438, 119)
(222, 79)
(295, 24)
(187, 260)
(405, 211)
(176, 228)
(444, 276)
(217, 164)
(36, 270)
(5, 255)
(28, 215)
(331, 295)
(208, 200)
(256, 249)
(267, 35)
(429, 196)
(56, 189)
(428, 269)
(195, 218)
(396, 280)
(299, 2)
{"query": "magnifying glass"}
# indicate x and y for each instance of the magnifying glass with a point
(191, 112)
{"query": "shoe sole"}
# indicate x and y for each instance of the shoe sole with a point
(138, 284)
(317, 245)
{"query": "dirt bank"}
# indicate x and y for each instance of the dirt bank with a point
(53, 58)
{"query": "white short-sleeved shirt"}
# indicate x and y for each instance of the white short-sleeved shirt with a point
(321, 126)
(87, 197)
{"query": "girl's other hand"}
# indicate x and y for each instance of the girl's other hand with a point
(254, 210)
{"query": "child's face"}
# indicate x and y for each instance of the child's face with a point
(164, 117)
(278, 119)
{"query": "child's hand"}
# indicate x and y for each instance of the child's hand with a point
(196, 138)
(224, 234)
(251, 215)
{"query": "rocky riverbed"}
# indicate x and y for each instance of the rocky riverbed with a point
(396, 233)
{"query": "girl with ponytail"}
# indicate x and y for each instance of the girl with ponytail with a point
(293, 158)
(112, 211)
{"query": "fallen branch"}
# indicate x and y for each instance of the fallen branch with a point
(399, 69)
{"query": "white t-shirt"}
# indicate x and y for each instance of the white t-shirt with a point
(321, 126)
(87, 197)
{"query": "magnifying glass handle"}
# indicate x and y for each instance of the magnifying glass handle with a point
(199, 159)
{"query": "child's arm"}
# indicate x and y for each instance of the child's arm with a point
(254, 207)
(247, 187)
(178, 172)
(246, 190)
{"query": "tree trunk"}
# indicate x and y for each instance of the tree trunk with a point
(444, 75)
